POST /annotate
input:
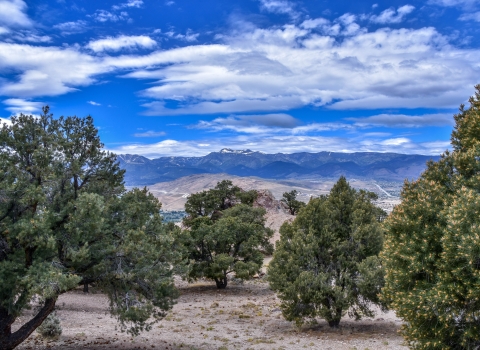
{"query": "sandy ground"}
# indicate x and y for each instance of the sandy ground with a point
(242, 316)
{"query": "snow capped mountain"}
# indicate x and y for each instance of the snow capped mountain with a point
(141, 171)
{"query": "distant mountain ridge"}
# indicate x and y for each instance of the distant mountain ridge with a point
(142, 171)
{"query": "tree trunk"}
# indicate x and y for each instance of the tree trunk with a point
(85, 287)
(9, 340)
(334, 323)
(221, 282)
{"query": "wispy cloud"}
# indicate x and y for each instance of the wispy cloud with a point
(74, 27)
(283, 144)
(107, 16)
(18, 105)
(392, 16)
(93, 103)
(130, 3)
(189, 36)
(405, 121)
(475, 16)
(121, 42)
(449, 3)
(280, 6)
(150, 133)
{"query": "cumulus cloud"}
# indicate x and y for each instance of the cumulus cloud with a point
(392, 16)
(121, 42)
(405, 121)
(18, 105)
(150, 133)
(12, 13)
(266, 70)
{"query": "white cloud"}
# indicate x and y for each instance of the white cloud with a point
(189, 36)
(314, 23)
(46, 71)
(251, 124)
(279, 6)
(105, 16)
(475, 16)
(150, 133)
(169, 3)
(27, 36)
(93, 103)
(12, 13)
(129, 3)
(18, 105)
(405, 121)
(267, 70)
(392, 16)
(448, 3)
(121, 42)
(284, 144)
(68, 28)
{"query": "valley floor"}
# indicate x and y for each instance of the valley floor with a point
(242, 316)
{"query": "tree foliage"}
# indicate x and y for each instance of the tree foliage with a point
(290, 199)
(224, 234)
(432, 247)
(66, 220)
(326, 262)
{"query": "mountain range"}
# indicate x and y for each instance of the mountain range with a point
(141, 171)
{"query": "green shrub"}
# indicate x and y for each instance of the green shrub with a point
(50, 328)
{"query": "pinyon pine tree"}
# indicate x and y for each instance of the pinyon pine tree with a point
(432, 246)
(67, 221)
(224, 234)
(326, 263)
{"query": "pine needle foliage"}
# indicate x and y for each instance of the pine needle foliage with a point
(225, 234)
(432, 246)
(66, 220)
(326, 262)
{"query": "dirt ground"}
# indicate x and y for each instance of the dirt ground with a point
(242, 316)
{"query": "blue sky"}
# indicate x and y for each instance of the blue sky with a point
(185, 78)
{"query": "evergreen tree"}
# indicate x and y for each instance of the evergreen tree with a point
(223, 241)
(432, 247)
(326, 263)
(290, 199)
(66, 220)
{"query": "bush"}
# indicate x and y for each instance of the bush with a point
(326, 261)
(432, 246)
(50, 328)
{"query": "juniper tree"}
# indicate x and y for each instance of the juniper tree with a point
(66, 221)
(290, 199)
(223, 241)
(326, 262)
(432, 246)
